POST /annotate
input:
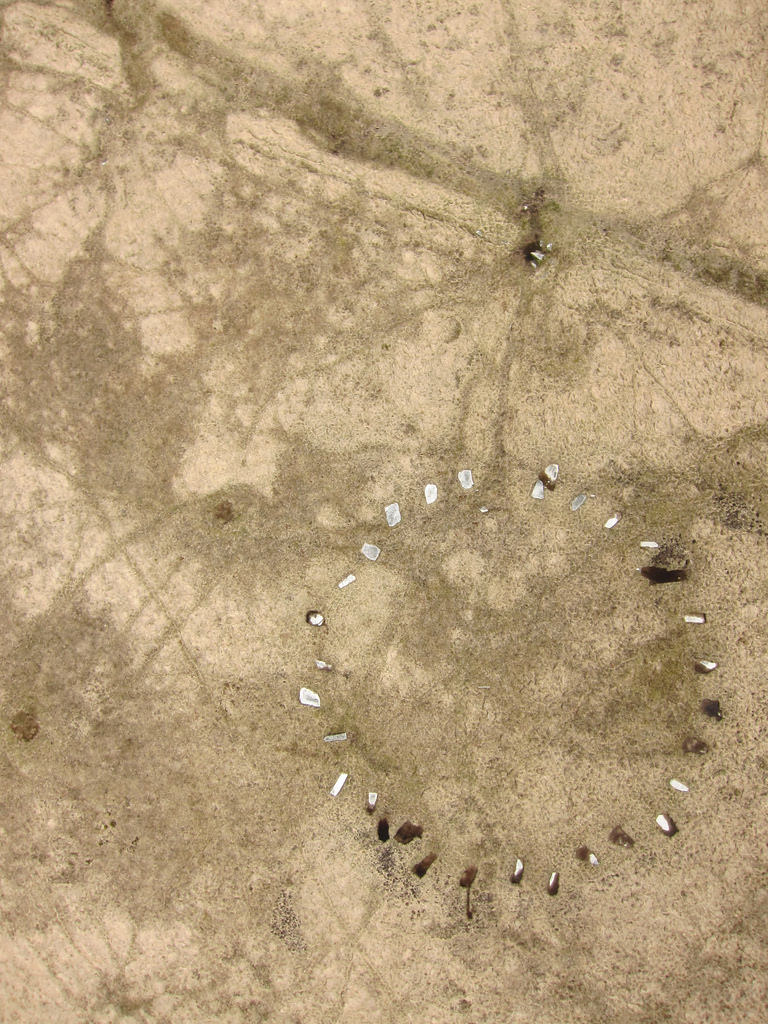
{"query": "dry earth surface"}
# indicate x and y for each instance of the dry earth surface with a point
(261, 274)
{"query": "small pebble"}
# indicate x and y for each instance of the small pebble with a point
(549, 475)
(309, 698)
(667, 825)
(339, 783)
(648, 544)
(315, 618)
(335, 737)
(392, 512)
(430, 493)
(577, 502)
(585, 854)
(323, 665)
(465, 479)
(370, 551)
(538, 490)
(703, 665)
(679, 786)
(408, 832)
(347, 580)
(658, 574)
(423, 866)
(383, 830)
(517, 875)
(372, 798)
(696, 618)
(611, 521)
(711, 708)
(553, 886)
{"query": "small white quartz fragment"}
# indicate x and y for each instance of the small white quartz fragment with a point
(339, 783)
(372, 798)
(679, 786)
(649, 544)
(611, 521)
(697, 618)
(370, 551)
(538, 490)
(550, 474)
(335, 737)
(593, 860)
(392, 512)
(323, 665)
(309, 698)
(704, 665)
(577, 502)
(347, 580)
(666, 824)
(430, 493)
(465, 479)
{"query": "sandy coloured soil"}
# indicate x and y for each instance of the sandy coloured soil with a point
(261, 275)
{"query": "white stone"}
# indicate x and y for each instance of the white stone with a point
(309, 698)
(704, 665)
(370, 551)
(465, 479)
(666, 824)
(339, 783)
(538, 490)
(392, 512)
(430, 493)
(347, 580)
(578, 501)
(612, 520)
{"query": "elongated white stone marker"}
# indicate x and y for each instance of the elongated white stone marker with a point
(339, 783)
(347, 580)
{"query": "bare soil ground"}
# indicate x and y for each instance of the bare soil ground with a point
(262, 274)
